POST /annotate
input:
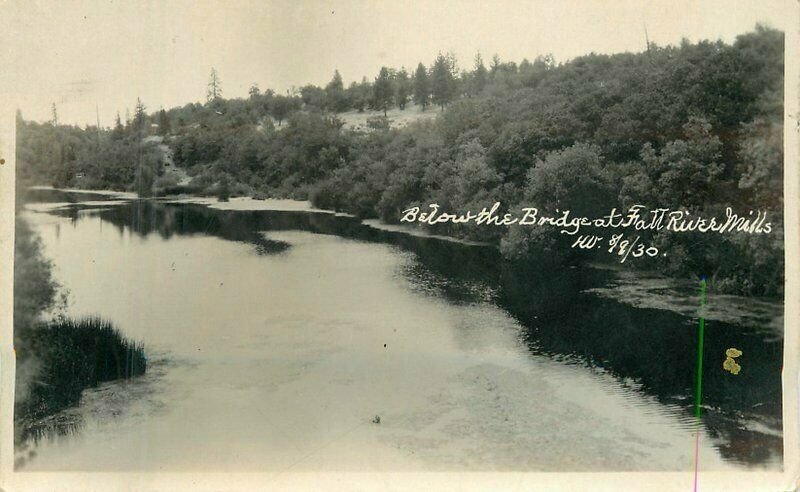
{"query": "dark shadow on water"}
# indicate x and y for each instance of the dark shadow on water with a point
(656, 350)
(143, 218)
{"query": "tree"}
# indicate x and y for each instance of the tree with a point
(402, 89)
(382, 91)
(118, 130)
(545, 62)
(452, 62)
(761, 156)
(574, 179)
(495, 64)
(139, 115)
(54, 121)
(336, 82)
(359, 94)
(336, 97)
(254, 91)
(479, 75)
(281, 107)
(422, 86)
(689, 169)
(442, 81)
(163, 123)
(214, 91)
(312, 95)
(683, 173)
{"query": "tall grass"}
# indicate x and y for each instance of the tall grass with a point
(73, 355)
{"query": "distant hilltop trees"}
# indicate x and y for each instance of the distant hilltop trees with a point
(439, 84)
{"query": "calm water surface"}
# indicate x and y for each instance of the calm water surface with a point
(274, 339)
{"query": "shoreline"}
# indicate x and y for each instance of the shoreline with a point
(641, 283)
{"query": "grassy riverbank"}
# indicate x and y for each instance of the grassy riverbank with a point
(57, 359)
(72, 355)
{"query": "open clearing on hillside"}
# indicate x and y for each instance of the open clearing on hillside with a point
(398, 118)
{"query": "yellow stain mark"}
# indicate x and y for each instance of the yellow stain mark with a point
(730, 364)
(733, 353)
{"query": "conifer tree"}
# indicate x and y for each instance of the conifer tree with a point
(422, 87)
(442, 81)
(214, 91)
(402, 88)
(382, 94)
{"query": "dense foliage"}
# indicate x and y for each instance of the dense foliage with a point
(66, 156)
(695, 126)
(35, 290)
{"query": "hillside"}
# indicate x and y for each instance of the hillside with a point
(696, 127)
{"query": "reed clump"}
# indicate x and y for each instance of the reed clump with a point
(74, 355)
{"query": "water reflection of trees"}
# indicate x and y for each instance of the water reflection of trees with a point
(657, 350)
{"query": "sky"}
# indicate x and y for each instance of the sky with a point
(97, 57)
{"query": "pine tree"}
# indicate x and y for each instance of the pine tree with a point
(163, 123)
(495, 64)
(139, 115)
(442, 81)
(422, 86)
(54, 121)
(479, 75)
(118, 130)
(402, 89)
(214, 91)
(382, 91)
(336, 83)
(335, 95)
(452, 62)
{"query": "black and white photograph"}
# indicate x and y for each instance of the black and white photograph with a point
(413, 237)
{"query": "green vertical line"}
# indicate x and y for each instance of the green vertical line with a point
(700, 336)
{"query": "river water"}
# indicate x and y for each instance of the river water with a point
(276, 340)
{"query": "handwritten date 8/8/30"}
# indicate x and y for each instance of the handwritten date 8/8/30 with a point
(623, 247)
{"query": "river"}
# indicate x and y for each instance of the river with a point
(296, 340)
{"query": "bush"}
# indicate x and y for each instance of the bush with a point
(224, 189)
(165, 182)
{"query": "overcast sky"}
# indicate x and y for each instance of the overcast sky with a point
(106, 53)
